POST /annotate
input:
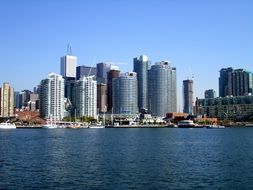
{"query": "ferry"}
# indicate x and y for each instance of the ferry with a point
(7, 126)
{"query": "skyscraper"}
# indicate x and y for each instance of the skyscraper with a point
(16, 99)
(101, 97)
(235, 82)
(242, 82)
(125, 94)
(69, 92)
(110, 76)
(52, 97)
(141, 66)
(68, 66)
(102, 71)
(188, 96)
(6, 100)
(68, 72)
(162, 90)
(86, 97)
(33, 102)
(210, 93)
(24, 98)
(85, 71)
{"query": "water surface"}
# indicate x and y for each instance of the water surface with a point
(126, 158)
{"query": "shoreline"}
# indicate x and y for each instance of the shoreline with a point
(134, 127)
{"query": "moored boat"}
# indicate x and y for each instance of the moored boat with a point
(49, 126)
(7, 126)
(96, 126)
(215, 127)
(186, 124)
(248, 124)
(171, 125)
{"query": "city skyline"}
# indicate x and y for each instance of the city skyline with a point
(199, 38)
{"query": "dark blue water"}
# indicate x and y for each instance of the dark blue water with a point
(126, 159)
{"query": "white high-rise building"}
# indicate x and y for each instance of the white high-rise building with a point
(68, 66)
(52, 97)
(86, 97)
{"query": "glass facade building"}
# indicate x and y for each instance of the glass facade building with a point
(188, 96)
(162, 89)
(124, 94)
(102, 71)
(235, 82)
(141, 66)
(210, 93)
(85, 71)
(110, 76)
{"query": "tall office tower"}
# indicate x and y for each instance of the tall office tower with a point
(110, 76)
(68, 72)
(69, 92)
(24, 98)
(86, 97)
(125, 100)
(85, 71)
(188, 96)
(6, 100)
(101, 97)
(141, 66)
(102, 71)
(16, 99)
(162, 89)
(210, 93)
(33, 102)
(235, 82)
(68, 66)
(242, 82)
(225, 82)
(52, 97)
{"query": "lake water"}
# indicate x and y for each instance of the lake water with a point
(126, 158)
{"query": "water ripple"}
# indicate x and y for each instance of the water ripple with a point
(126, 159)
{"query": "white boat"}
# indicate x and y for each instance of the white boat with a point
(215, 127)
(248, 124)
(7, 126)
(49, 126)
(186, 124)
(96, 126)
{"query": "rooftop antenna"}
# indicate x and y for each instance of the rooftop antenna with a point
(69, 51)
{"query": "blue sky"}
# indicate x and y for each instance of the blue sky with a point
(198, 36)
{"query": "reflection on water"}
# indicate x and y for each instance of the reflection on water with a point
(126, 158)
